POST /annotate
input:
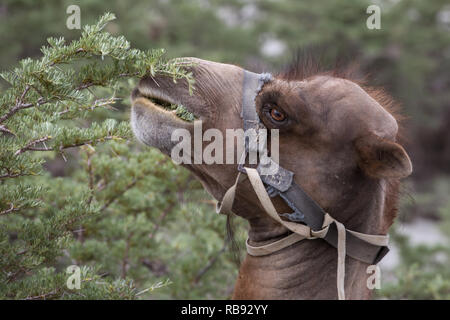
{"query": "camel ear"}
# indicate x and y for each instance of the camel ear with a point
(380, 158)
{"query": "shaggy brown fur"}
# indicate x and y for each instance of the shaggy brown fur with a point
(304, 65)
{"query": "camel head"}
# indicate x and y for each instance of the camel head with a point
(333, 134)
(337, 137)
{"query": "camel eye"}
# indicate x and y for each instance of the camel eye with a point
(277, 115)
(274, 114)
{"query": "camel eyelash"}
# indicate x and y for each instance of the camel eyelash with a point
(271, 112)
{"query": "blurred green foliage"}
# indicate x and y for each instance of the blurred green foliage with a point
(409, 56)
(423, 272)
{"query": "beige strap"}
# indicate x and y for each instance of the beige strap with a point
(264, 198)
(226, 205)
(274, 246)
(300, 231)
(303, 230)
(341, 260)
(376, 240)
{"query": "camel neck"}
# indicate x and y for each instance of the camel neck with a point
(307, 269)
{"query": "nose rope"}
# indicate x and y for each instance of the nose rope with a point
(300, 231)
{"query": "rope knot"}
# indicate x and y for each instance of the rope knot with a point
(322, 233)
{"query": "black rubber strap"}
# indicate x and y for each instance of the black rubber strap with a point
(314, 216)
(357, 248)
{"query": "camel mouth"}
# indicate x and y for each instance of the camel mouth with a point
(156, 116)
(165, 103)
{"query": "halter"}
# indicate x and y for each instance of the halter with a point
(308, 220)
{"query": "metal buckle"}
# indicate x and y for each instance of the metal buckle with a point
(282, 180)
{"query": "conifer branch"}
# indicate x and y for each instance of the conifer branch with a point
(12, 208)
(30, 144)
(6, 130)
(211, 262)
(119, 194)
(52, 104)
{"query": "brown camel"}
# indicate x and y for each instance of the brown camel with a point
(339, 140)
